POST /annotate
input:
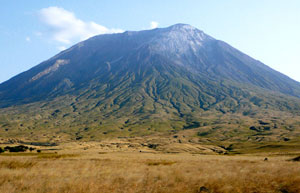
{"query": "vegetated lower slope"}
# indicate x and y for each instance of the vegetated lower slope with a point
(140, 83)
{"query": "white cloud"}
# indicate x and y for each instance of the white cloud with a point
(153, 24)
(28, 39)
(65, 28)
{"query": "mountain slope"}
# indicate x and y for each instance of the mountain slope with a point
(103, 57)
(171, 75)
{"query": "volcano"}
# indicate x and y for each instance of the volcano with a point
(152, 80)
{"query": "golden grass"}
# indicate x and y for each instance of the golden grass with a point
(161, 162)
(18, 154)
(11, 164)
(140, 172)
(55, 156)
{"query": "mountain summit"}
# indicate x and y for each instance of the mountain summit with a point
(171, 75)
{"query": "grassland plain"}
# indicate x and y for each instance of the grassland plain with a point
(73, 169)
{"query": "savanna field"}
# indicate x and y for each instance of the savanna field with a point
(93, 171)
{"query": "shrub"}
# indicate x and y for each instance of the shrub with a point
(296, 159)
(20, 148)
(202, 134)
(31, 149)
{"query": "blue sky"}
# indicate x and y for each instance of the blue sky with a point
(32, 31)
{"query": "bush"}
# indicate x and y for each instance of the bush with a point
(31, 149)
(202, 134)
(296, 159)
(20, 148)
(1, 150)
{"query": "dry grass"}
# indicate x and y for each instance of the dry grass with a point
(18, 154)
(55, 156)
(11, 164)
(140, 172)
(161, 162)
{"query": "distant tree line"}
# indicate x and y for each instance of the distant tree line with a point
(19, 148)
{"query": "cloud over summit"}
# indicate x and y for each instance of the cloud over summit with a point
(66, 28)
